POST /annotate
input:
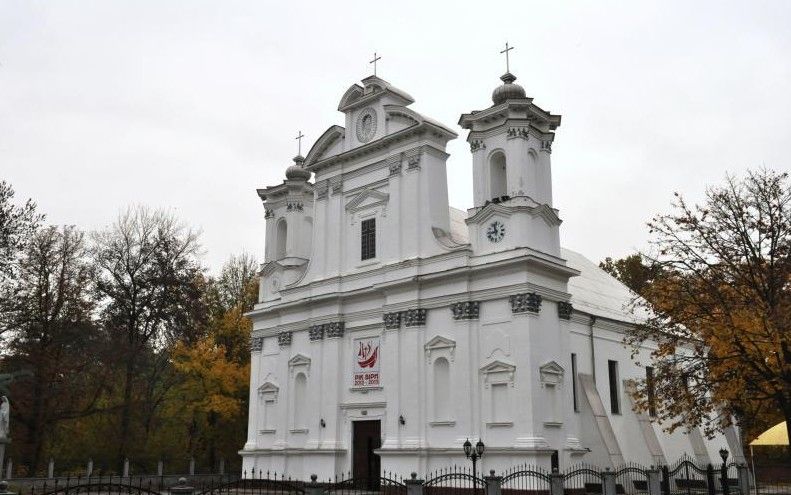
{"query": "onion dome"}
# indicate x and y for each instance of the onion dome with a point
(508, 91)
(296, 172)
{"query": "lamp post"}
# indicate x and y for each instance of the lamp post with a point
(473, 453)
(724, 471)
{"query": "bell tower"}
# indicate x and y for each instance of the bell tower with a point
(511, 146)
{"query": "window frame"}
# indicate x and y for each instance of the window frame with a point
(615, 393)
(368, 239)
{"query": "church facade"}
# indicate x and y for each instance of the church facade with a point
(391, 327)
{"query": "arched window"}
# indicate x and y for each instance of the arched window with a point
(300, 401)
(498, 185)
(282, 237)
(441, 389)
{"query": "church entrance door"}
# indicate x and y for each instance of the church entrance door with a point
(366, 437)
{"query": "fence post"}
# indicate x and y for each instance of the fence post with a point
(608, 482)
(744, 478)
(654, 481)
(9, 469)
(312, 488)
(51, 468)
(414, 486)
(126, 468)
(493, 484)
(726, 486)
(4, 488)
(192, 466)
(710, 480)
(222, 466)
(160, 467)
(89, 468)
(665, 480)
(556, 483)
(181, 488)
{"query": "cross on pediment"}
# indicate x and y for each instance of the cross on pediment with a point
(376, 59)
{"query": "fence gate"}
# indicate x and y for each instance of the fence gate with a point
(686, 478)
(583, 479)
(256, 486)
(385, 485)
(454, 481)
(631, 479)
(526, 480)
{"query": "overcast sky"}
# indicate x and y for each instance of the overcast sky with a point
(192, 105)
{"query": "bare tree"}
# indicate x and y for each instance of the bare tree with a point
(149, 284)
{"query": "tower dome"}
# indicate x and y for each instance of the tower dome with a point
(296, 172)
(508, 90)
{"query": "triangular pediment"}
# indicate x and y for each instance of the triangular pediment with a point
(368, 198)
(440, 342)
(551, 373)
(498, 367)
(299, 360)
(268, 388)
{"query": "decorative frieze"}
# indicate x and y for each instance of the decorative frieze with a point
(392, 320)
(413, 158)
(394, 165)
(468, 310)
(322, 188)
(564, 310)
(294, 206)
(336, 185)
(256, 344)
(525, 303)
(519, 132)
(334, 329)
(414, 317)
(268, 213)
(284, 339)
(477, 144)
(546, 145)
(316, 332)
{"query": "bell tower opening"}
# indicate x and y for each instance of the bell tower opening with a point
(498, 178)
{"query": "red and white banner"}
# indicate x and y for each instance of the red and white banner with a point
(366, 354)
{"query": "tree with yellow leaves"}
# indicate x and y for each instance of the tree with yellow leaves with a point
(721, 311)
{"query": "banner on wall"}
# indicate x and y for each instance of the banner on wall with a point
(366, 357)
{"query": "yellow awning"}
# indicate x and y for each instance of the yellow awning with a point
(776, 435)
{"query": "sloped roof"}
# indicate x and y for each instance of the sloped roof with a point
(593, 291)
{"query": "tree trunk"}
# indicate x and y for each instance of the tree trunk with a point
(126, 409)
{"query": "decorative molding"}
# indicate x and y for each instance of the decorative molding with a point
(414, 317)
(256, 344)
(316, 332)
(551, 374)
(295, 206)
(392, 320)
(284, 339)
(476, 145)
(525, 303)
(299, 361)
(322, 188)
(564, 310)
(366, 129)
(440, 343)
(546, 145)
(498, 372)
(413, 158)
(519, 132)
(336, 184)
(269, 213)
(394, 165)
(356, 204)
(468, 310)
(334, 329)
(268, 390)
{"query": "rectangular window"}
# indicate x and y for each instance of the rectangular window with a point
(368, 239)
(574, 381)
(650, 389)
(615, 402)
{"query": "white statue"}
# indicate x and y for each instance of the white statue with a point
(5, 417)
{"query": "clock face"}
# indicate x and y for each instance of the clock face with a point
(366, 125)
(496, 231)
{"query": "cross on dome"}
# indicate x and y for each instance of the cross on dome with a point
(507, 61)
(376, 58)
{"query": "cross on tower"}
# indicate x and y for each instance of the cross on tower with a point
(507, 62)
(374, 62)
(299, 142)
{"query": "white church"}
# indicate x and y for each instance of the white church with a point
(392, 327)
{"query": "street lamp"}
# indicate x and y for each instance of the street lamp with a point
(724, 471)
(473, 454)
(724, 455)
